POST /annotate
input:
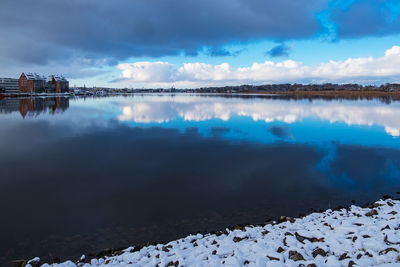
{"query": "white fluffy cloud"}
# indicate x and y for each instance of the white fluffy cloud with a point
(201, 74)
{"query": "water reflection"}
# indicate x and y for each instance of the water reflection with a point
(112, 172)
(33, 107)
(166, 109)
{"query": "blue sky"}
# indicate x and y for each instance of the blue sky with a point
(155, 43)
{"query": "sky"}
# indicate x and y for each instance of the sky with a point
(193, 43)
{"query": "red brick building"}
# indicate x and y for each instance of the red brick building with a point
(32, 83)
(60, 83)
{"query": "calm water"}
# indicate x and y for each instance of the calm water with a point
(81, 175)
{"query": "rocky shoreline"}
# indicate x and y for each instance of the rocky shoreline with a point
(353, 236)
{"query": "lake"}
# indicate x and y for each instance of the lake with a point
(80, 175)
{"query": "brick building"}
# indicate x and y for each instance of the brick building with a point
(32, 83)
(60, 84)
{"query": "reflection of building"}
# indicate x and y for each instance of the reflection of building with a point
(9, 85)
(32, 83)
(34, 106)
(9, 105)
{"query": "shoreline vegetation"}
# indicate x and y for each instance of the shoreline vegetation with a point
(328, 89)
(352, 236)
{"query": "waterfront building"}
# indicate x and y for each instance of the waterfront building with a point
(32, 83)
(59, 83)
(9, 85)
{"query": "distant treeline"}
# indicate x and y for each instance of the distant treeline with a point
(299, 88)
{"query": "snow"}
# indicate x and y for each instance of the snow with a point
(35, 76)
(362, 236)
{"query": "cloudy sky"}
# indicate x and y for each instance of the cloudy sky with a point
(192, 43)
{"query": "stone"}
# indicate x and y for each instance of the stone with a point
(344, 256)
(319, 251)
(295, 256)
(15, 263)
(238, 239)
(371, 212)
(386, 251)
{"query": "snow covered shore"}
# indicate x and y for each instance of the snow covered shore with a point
(355, 236)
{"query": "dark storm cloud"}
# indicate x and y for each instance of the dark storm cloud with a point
(281, 50)
(366, 18)
(222, 52)
(42, 31)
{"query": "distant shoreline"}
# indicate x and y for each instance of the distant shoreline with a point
(198, 91)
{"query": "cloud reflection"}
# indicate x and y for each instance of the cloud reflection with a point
(193, 108)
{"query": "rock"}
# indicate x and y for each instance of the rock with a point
(34, 262)
(265, 232)
(282, 219)
(246, 262)
(351, 263)
(273, 258)
(280, 250)
(386, 251)
(389, 242)
(319, 251)
(386, 197)
(238, 239)
(371, 212)
(286, 219)
(295, 256)
(239, 227)
(386, 227)
(106, 252)
(301, 238)
(56, 260)
(312, 265)
(344, 256)
(369, 254)
(375, 205)
(171, 263)
(15, 263)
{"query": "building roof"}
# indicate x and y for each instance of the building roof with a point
(35, 77)
(60, 78)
